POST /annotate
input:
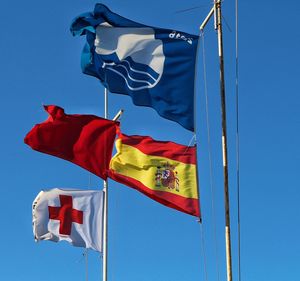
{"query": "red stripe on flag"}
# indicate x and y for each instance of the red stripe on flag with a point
(187, 205)
(167, 149)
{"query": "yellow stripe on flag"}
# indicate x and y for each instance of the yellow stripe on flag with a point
(173, 176)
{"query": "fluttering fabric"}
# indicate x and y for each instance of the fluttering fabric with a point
(75, 216)
(155, 66)
(164, 171)
(85, 140)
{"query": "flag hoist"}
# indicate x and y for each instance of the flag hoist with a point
(136, 60)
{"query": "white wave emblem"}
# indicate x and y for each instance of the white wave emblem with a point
(138, 57)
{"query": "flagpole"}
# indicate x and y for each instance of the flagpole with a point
(105, 215)
(216, 11)
(218, 17)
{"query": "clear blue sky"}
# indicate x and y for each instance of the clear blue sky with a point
(40, 64)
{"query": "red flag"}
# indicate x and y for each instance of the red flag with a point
(85, 140)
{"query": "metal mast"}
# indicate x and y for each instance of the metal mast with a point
(105, 188)
(216, 11)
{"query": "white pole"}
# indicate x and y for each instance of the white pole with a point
(216, 11)
(207, 18)
(105, 188)
(224, 140)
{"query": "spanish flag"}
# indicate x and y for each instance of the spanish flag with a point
(162, 170)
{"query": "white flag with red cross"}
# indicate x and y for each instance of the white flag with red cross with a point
(75, 216)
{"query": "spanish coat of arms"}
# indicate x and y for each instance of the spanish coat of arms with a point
(166, 176)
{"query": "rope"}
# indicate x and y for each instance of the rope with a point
(209, 155)
(203, 251)
(194, 138)
(86, 264)
(237, 139)
(86, 251)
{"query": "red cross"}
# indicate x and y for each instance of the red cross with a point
(65, 214)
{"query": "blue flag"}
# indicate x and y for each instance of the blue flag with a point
(155, 66)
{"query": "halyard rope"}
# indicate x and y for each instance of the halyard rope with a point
(237, 139)
(210, 157)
